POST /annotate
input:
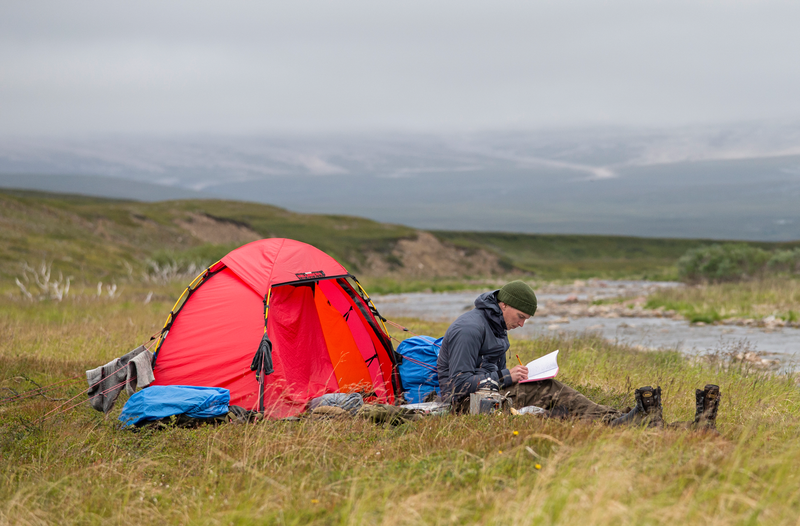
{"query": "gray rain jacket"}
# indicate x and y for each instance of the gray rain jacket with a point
(474, 348)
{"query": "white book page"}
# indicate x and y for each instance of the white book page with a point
(542, 368)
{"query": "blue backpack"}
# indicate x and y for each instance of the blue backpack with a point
(418, 368)
(160, 401)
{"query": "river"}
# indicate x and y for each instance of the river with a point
(780, 344)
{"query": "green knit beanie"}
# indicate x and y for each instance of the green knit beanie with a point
(519, 295)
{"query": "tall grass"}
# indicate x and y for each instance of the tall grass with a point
(79, 467)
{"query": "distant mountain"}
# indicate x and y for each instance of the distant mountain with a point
(738, 182)
(98, 186)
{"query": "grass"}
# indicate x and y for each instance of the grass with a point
(81, 468)
(97, 238)
(779, 297)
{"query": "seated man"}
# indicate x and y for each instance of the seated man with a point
(473, 356)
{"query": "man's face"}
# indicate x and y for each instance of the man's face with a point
(514, 318)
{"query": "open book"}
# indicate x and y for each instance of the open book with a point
(542, 368)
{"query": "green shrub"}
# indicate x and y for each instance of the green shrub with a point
(715, 263)
(734, 262)
(785, 261)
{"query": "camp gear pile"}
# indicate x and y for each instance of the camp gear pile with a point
(349, 402)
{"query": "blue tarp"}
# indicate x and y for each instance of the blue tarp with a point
(161, 401)
(418, 369)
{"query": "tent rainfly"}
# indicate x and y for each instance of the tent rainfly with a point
(323, 330)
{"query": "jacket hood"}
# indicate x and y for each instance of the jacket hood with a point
(487, 304)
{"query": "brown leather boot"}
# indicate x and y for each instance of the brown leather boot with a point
(647, 410)
(706, 406)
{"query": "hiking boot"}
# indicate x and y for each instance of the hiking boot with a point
(647, 410)
(706, 406)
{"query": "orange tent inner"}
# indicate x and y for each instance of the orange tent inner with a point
(314, 351)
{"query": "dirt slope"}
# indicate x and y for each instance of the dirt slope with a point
(426, 257)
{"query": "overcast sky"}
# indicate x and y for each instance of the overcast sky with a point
(243, 67)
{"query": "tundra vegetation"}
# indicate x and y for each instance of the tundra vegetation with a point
(79, 467)
(100, 276)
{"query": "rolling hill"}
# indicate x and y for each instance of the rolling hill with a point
(93, 238)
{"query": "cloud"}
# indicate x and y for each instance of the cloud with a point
(88, 66)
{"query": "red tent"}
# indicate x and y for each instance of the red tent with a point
(325, 336)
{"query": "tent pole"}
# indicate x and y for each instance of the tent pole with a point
(186, 292)
(261, 369)
(371, 304)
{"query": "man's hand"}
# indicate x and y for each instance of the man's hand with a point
(518, 372)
